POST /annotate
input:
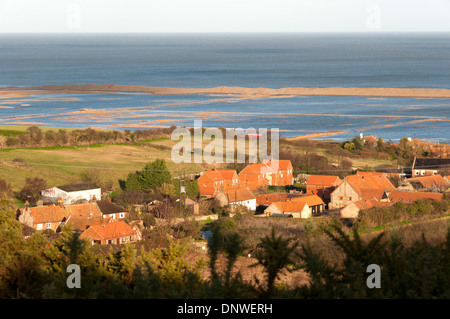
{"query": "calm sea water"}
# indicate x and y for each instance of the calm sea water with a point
(248, 60)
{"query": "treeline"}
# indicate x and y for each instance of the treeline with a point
(402, 152)
(37, 268)
(35, 137)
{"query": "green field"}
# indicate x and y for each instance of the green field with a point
(65, 165)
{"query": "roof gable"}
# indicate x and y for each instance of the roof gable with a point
(112, 230)
(325, 180)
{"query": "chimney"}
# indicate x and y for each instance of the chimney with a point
(61, 202)
(40, 202)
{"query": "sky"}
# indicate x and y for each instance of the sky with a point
(94, 16)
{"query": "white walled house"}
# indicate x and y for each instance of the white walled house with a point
(238, 197)
(71, 194)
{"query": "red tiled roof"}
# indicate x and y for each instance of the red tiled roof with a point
(290, 207)
(325, 180)
(369, 181)
(239, 194)
(311, 200)
(409, 197)
(82, 222)
(55, 213)
(430, 181)
(109, 231)
(267, 199)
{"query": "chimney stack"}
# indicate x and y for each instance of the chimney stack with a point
(61, 202)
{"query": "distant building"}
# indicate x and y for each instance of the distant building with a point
(112, 233)
(322, 186)
(292, 209)
(388, 199)
(271, 173)
(435, 183)
(213, 181)
(111, 210)
(238, 197)
(430, 166)
(193, 206)
(362, 186)
(53, 216)
(71, 194)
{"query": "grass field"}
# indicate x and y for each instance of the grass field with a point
(64, 165)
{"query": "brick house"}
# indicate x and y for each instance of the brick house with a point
(213, 181)
(111, 210)
(239, 196)
(111, 233)
(429, 183)
(53, 216)
(389, 199)
(362, 186)
(315, 203)
(272, 173)
(322, 185)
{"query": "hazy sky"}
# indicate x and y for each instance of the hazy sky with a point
(224, 15)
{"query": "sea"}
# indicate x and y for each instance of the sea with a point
(258, 60)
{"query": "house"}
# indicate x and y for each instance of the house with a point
(389, 199)
(435, 183)
(294, 209)
(213, 181)
(267, 199)
(236, 197)
(430, 166)
(271, 173)
(362, 186)
(111, 210)
(53, 216)
(192, 205)
(81, 223)
(322, 185)
(410, 197)
(117, 232)
(352, 210)
(314, 202)
(71, 194)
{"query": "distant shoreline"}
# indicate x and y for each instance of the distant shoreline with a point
(239, 91)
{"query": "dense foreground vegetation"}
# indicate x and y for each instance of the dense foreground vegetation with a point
(36, 267)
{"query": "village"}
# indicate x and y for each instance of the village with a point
(102, 222)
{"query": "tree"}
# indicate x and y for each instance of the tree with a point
(5, 189)
(154, 174)
(275, 255)
(99, 177)
(380, 145)
(31, 191)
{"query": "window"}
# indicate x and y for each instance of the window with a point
(48, 225)
(39, 226)
(131, 238)
(349, 198)
(340, 198)
(122, 215)
(417, 172)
